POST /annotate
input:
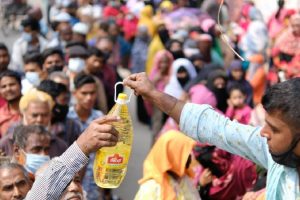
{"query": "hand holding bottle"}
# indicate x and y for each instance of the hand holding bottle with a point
(100, 133)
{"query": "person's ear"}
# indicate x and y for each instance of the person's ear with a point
(19, 155)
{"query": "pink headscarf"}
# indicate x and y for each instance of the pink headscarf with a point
(155, 69)
(200, 94)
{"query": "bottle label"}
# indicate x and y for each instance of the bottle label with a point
(115, 159)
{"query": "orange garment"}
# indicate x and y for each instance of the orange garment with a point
(7, 118)
(169, 153)
(258, 79)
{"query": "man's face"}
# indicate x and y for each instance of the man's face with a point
(37, 113)
(94, 64)
(296, 27)
(86, 96)
(13, 184)
(65, 31)
(10, 89)
(74, 190)
(277, 132)
(52, 60)
(4, 59)
(37, 144)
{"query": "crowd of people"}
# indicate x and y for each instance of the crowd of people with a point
(58, 77)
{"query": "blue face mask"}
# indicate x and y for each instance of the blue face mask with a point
(33, 78)
(27, 37)
(35, 161)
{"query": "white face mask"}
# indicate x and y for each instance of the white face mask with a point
(33, 78)
(76, 65)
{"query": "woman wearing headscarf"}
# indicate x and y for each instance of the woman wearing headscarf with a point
(181, 73)
(160, 39)
(229, 176)
(236, 75)
(160, 76)
(257, 77)
(168, 179)
(287, 45)
(255, 40)
(146, 16)
(216, 82)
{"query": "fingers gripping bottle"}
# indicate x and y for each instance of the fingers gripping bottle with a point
(110, 163)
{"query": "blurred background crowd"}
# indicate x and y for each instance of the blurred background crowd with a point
(59, 75)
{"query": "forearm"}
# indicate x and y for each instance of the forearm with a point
(60, 172)
(168, 104)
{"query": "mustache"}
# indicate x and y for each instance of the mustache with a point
(71, 195)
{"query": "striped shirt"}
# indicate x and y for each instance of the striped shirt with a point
(51, 184)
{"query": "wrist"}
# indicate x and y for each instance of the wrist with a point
(83, 146)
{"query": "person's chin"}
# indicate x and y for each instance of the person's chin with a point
(74, 198)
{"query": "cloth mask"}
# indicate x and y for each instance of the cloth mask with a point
(27, 37)
(33, 78)
(76, 65)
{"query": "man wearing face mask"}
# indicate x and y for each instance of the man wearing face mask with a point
(31, 146)
(35, 107)
(53, 60)
(77, 55)
(33, 71)
(30, 41)
(65, 128)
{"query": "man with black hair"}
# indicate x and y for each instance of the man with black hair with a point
(96, 66)
(14, 181)
(61, 125)
(83, 112)
(31, 146)
(33, 69)
(4, 57)
(30, 41)
(276, 146)
(53, 60)
(10, 90)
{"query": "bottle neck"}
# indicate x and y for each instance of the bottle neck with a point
(121, 101)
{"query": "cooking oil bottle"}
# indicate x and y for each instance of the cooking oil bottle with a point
(110, 164)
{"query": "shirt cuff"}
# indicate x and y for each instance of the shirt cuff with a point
(74, 158)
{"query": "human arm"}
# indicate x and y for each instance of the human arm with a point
(61, 170)
(166, 103)
(204, 124)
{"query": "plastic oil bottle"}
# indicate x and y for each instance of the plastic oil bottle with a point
(110, 163)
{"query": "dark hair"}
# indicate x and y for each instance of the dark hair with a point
(237, 86)
(32, 23)
(93, 51)
(52, 88)
(22, 132)
(11, 165)
(3, 47)
(51, 51)
(82, 79)
(284, 98)
(10, 73)
(76, 43)
(33, 57)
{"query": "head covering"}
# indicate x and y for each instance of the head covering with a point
(166, 5)
(35, 96)
(204, 37)
(207, 24)
(235, 64)
(174, 88)
(80, 28)
(200, 94)
(172, 150)
(158, 57)
(146, 19)
(255, 14)
(62, 17)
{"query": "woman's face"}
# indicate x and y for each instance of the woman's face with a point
(219, 83)
(164, 65)
(237, 74)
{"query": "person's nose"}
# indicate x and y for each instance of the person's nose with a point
(39, 119)
(73, 187)
(17, 193)
(265, 132)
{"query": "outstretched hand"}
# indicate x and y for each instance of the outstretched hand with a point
(140, 84)
(100, 133)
